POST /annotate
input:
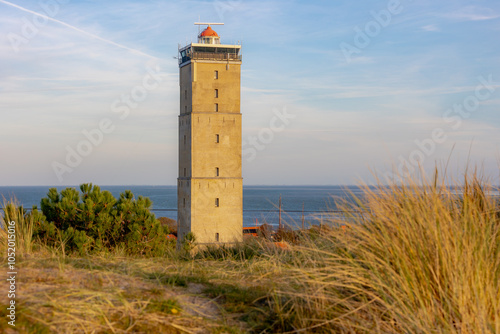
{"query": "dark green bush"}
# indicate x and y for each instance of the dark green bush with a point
(94, 220)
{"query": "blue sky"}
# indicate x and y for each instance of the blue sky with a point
(332, 91)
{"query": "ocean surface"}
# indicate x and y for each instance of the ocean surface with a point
(260, 203)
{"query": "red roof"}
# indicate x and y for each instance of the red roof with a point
(208, 32)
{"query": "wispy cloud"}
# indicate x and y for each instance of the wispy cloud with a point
(431, 27)
(265, 91)
(473, 13)
(134, 51)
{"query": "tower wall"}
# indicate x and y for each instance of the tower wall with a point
(210, 185)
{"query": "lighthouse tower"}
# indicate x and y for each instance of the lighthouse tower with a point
(210, 185)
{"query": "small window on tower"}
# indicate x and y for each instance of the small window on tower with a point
(216, 171)
(217, 138)
(216, 75)
(216, 107)
(216, 237)
(184, 140)
(184, 202)
(217, 202)
(185, 109)
(216, 93)
(185, 95)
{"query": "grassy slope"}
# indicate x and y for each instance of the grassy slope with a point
(113, 293)
(418, 260)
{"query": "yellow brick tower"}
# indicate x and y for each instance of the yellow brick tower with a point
(210, 186)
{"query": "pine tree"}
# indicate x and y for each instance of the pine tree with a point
(94, 220)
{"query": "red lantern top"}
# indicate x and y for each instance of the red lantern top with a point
(209, 32)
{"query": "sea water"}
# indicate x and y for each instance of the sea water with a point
(308, 204)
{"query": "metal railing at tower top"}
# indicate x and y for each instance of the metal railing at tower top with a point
(215, 56)
(210, 56)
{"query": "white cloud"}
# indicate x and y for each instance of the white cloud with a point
(473, 13)
(431, 27)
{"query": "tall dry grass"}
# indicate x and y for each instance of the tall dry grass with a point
(417, 259)
(23, 226)
(414, 258)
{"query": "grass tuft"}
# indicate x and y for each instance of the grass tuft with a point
(24, 223)
(419, 258)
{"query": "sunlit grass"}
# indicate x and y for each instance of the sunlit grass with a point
(414, 258)
(418, 259)
(12, 212)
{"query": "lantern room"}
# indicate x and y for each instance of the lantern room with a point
(208, 36)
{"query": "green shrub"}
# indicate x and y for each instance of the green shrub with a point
(94, 221)
(188, 242)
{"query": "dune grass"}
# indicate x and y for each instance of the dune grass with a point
(414, 258)
(24, 225)
(417, 259)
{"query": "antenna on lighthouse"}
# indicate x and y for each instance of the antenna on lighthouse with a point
(206, 24)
